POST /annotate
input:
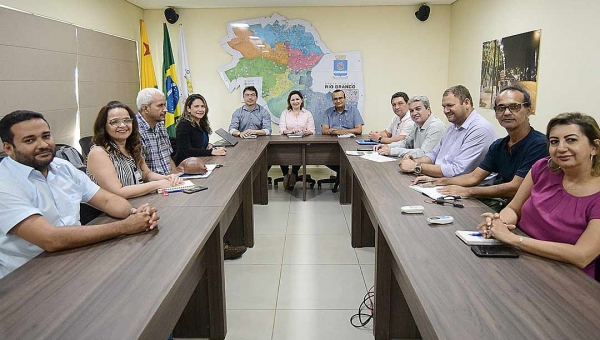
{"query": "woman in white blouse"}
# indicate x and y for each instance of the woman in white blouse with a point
(295, 120)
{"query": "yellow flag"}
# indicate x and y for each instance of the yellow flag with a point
(147, 75)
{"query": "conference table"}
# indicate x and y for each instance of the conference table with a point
(428, 283)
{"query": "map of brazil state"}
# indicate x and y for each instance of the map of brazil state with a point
(278, 55)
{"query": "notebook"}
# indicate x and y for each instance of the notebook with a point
(348, 135)
(431, 192)
(185, 185)
(474, 238)
(296, 135)
(366, 142)
(209, 170)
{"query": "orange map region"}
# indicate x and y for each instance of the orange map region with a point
(247, 47)
(299, 61)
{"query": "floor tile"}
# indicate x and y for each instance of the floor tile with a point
(320, 287)
(368, 271)
(314, 195)
(268, 249)
(274, 206)
(318, 324)
(251, 286)
(332, 223)
(312, 207)
(319, 249)
(270, 222)
(250, 324)
(366, 255)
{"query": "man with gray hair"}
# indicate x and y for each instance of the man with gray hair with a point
(423, 137)
(157, 150)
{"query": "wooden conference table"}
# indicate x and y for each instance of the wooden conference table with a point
(427, 282)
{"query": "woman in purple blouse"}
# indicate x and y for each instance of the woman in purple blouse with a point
(558, 203)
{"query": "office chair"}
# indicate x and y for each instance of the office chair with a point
(309, 180)
(86, 144)
(71, 154)
(332, 179)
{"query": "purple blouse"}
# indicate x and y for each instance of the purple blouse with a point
(552, 214)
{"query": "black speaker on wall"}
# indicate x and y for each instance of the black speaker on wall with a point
(423, 12)
(171, 15)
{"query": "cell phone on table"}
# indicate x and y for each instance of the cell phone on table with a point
(494, 251)
(365, 148)
(194, 189)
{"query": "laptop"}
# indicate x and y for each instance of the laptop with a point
(228, 139)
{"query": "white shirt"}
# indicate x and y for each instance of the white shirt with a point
(399, 126)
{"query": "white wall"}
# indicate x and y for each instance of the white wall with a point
(399, 52)
(117, 17)
(569, 69)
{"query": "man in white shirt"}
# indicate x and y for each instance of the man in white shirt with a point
(401, 124)
(40, 197)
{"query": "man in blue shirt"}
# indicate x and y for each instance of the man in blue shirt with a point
(511, 157)
(251, 118)
(40, 197)
(341, 119)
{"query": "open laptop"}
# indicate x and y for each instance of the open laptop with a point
(228, 139)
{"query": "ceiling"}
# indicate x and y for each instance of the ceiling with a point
(160, 4)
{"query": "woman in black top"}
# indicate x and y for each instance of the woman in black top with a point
(193, 129)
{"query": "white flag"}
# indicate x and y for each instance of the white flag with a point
(183, 70)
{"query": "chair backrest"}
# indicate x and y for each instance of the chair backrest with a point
(71, 154)
(86, 144)
(173, 141)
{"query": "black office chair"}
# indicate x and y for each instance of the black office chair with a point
(332, 179)
(86, 145)
(71, 154)
(309, 180)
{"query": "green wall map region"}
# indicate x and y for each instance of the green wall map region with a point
(257, 67)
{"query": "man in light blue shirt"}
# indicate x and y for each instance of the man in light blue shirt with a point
(40, 197)
(250, 119)
(463, 145)
(341, 119)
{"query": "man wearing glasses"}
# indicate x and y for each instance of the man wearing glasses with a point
(341, 119)
(251, 119)
(511, 157)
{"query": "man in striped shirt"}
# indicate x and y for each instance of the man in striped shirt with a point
(157, 150)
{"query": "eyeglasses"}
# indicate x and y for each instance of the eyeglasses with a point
(249, 94)
(514, 108)
(119, 121)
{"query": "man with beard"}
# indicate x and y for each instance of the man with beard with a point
(40, 197)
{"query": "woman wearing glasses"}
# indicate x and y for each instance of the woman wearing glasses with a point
(115, 160)
(193, 129)
(558, 202)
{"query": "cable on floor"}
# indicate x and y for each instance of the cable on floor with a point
(365, 310)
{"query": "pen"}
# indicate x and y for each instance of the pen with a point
(421, 181)
(475, 234)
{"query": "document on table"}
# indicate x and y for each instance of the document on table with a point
(348, 135)
(375, 157)
(358, 153)
(209, 168)
(429, 191)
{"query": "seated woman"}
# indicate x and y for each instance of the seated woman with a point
(558, 203)
(193, 129)
(295, 120)
(115, 160)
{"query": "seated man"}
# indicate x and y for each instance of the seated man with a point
(157, 150)
(251, 118)
(40, 197)
(511, 157)
(422, 138)
(463, 145)
(401, 124)
(341, 120)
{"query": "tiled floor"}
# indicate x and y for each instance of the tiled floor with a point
(302, 279)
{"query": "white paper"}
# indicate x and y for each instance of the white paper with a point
(358, 153)
(348, 135)
(429, 191)
(375, 157)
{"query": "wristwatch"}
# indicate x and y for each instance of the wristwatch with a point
(418, 168)
(379, 139)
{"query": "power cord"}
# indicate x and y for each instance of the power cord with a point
(365, 309)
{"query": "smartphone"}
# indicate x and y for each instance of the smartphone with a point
(194, 189)
(494, 251)
(365, 148)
